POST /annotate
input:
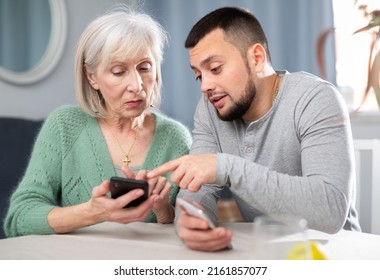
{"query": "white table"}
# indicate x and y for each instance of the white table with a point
(138, 241)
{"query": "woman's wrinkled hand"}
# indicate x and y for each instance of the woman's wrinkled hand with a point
(108, 209)
(159, 189)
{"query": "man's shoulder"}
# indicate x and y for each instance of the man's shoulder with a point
(302, 77)
(308, 86)
(306, 79)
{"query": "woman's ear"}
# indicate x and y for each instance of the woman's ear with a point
(91, 77)
(257, 57)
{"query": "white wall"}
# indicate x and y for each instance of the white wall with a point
(36, 101)
(366, 125)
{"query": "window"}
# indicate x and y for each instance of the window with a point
(352, 52)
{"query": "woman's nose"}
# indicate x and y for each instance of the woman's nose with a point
(135, 82)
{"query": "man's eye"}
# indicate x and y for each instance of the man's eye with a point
(198, 78)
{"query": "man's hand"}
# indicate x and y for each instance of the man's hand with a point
(196, 234)
(189, 171)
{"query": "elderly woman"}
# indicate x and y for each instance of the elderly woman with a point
(114, 131)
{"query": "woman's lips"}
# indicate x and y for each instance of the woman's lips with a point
(133, 103)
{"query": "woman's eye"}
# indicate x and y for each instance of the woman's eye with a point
(216, 70)
(198, 78)
(118, 71)
(145, 67)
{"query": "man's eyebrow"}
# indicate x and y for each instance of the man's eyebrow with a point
(207, 60)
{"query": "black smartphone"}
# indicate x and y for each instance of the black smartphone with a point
(120, 186)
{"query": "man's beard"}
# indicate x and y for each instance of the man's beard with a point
(240, 107)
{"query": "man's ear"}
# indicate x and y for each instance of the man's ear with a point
(257, 57)
(91, 77)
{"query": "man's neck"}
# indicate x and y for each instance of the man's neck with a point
(266, 92)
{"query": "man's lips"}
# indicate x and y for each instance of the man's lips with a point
(218, 100)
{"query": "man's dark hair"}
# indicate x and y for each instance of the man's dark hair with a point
(241, 28)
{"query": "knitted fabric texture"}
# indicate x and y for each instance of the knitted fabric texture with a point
(70, 157)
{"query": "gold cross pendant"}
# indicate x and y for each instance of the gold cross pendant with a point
(126, 160)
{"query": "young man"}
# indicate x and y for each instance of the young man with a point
(280, 141)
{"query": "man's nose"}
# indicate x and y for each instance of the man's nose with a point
(207, 84)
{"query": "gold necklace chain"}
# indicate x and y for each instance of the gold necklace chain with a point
(126, 160)
(277, 88)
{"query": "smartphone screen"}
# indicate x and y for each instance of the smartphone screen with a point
(120, 186)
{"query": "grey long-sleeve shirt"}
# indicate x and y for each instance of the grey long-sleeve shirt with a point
(297, 159)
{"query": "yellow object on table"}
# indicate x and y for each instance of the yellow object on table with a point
(300, 252)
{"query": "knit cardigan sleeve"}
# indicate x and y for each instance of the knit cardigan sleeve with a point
(39, 190)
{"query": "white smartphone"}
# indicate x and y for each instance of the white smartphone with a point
(193, 210)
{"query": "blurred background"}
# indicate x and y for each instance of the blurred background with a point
(37, 45)
(292, 29)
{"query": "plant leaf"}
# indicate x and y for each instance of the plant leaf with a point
(369, 26)
(375, 77)
(373, 23)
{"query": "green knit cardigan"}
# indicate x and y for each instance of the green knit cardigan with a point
(69, 158)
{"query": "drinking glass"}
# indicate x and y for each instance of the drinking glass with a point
(280, 237)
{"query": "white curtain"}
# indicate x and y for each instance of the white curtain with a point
(292, 28)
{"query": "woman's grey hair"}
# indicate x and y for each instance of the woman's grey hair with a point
(121, 32)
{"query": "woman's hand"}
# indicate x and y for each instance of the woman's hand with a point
(162, 208)
(98, 209)
(159, 188)
(108, 209)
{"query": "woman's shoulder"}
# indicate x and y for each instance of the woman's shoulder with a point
(167, 122)
(64, 123)
(68, 114)
(66, 118)
(170, 125)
